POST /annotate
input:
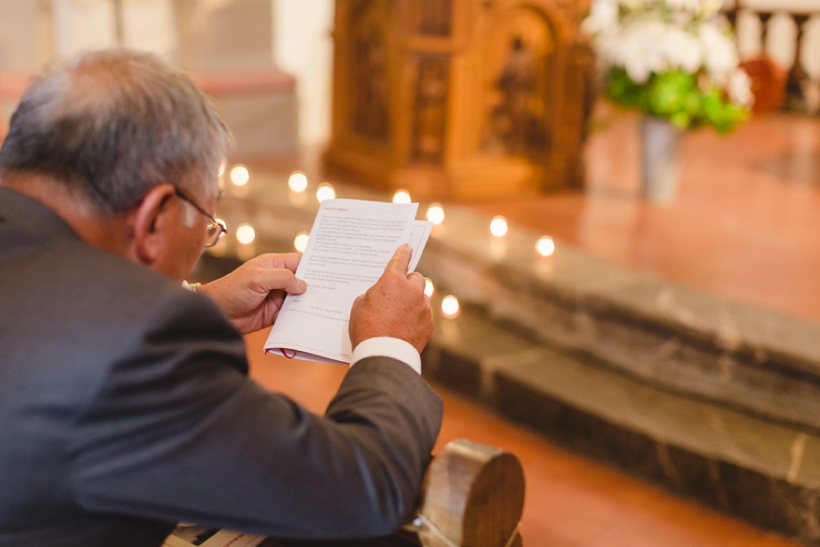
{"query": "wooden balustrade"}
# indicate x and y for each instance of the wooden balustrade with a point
(800, 93)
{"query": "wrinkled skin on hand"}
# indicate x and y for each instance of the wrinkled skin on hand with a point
(395, 306)
(252, 295)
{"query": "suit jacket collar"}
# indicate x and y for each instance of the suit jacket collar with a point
(22, 212)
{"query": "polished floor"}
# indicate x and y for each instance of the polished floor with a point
(746, 223)
(570, 501)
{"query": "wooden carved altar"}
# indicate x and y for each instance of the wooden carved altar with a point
(460, 98)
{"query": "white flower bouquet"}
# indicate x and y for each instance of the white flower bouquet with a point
(673, 59)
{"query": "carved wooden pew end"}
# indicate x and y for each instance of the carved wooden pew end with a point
(472, 496)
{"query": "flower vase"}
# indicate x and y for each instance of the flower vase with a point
(660, 153)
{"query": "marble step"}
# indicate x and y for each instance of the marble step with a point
(763, 472)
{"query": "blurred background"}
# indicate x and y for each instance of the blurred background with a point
(652, 357)
(294, 36)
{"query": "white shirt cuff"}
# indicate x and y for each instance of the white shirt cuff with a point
(386, 346)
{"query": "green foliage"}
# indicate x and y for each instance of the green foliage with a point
(677, 96)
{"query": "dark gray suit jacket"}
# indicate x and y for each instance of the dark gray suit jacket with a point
(125, 406)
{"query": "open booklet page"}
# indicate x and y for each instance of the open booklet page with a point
(350, 244)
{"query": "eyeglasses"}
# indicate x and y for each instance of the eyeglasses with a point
(215, 228)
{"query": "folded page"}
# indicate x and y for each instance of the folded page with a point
(418, 240)
(349, 247)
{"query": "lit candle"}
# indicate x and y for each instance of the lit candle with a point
(545, 246)
(435, 213)
(498, 226)
(301, 241)
(401, 196)
(298, 182)
(429, 288)
(240, 175)
(450, 307)
(245, 234)
(325, 191)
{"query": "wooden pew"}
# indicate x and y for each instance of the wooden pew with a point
(472, 496)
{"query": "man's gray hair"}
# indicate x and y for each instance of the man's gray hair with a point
(113, 124)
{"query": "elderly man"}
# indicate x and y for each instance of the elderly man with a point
(125, 404)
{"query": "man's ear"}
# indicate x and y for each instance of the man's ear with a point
(152, 225)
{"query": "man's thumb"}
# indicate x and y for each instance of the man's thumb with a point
(285, 280)
(401, 260)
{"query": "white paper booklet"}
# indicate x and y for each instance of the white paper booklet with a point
(350, 244)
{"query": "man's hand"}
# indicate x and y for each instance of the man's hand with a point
(252, 295)
(395, 306)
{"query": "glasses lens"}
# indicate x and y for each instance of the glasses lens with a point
(214, 232)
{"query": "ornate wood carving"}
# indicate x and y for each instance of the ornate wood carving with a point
(460, 98)
(518, 121)
(433, 17)
(430, 113)
(368, 63)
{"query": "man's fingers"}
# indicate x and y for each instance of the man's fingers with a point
(288, 261)
(291, 260)
(401, 260)
(416, 278)
(276, 279)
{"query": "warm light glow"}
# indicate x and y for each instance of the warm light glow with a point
(245, 234)
(246, 252)
(498, 226)
(401, 196)
(221, 169)
(429, 288)
(450, 307)
(498, 248)
(435, 213)
(301, 241)
(325, 191)
(298, 182)
(240, 175)
(240, 191)
(545, 246)
(219, 249)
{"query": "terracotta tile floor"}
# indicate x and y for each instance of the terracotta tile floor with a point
(570, 502)
(746, 224)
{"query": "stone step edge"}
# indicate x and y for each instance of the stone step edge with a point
(480, 380)
(771, 503)
(782, 501)
(740, 378)
(564, 279)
